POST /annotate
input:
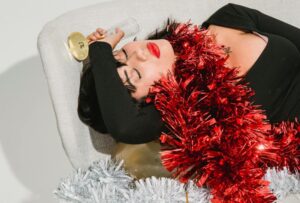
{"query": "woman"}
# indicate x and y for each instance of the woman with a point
(127, 114)
(266, 50)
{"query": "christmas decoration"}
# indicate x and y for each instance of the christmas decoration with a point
(217, 137)
(107, 181)
(104, 181)
(282, 182)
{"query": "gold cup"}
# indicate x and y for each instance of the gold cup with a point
(78, 45)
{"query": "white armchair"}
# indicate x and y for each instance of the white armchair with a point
(82, 144)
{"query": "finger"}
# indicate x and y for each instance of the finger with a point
(117, 57)
(119, 31)
(115, 52)
(119, 35)
(92, 37)
(100, 29)
(98, 35)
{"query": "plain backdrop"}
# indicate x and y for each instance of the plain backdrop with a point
(32, 159)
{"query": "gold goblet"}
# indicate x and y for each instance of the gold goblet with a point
(78, 44)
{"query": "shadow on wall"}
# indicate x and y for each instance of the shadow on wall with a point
(28, 134)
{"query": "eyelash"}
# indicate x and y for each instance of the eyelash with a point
(130, 88)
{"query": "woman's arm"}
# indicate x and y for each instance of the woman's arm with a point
(124, 121)
(88, 108)
(244, 17)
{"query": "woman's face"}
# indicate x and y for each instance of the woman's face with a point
(146, 61)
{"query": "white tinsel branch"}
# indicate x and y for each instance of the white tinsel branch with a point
(167, 190)
(107, 181)
(282, 182)
(104, 181)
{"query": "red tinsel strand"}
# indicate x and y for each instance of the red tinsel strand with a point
(286, 135)
(218, 138)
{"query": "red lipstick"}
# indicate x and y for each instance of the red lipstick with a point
(154, 49)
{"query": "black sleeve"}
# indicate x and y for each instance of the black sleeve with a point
(234, 15)
(124, 120)
(88, 108)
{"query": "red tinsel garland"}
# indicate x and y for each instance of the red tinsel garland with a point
(218, 137)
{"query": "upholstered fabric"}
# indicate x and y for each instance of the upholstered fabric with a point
(83, 145)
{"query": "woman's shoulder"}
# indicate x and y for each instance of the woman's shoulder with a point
(244, 48)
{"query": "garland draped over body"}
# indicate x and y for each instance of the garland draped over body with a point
(218, 137)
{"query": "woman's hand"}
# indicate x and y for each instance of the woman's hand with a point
(100, 35)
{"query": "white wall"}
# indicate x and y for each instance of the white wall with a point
(32, 159)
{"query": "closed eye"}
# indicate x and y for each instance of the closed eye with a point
(127, 79)
(136, 70)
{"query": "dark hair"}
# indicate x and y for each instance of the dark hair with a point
(88, 107)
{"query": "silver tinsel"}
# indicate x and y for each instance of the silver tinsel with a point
(167, 190)
(106, 181)
(283, 183)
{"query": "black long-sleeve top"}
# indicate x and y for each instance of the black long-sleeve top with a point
(275, 77)
(123, 119)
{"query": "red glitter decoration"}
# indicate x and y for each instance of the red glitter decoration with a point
(217, 137)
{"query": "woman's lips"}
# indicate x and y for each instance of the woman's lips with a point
(154, 49)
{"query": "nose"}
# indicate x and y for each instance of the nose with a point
(142, 54)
